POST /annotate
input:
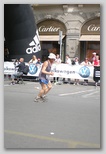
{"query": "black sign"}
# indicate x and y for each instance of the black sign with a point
(20, 31)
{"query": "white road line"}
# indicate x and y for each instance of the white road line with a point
(78, 92)
(86, 95)
(6, 85)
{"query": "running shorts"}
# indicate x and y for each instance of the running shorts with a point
(43, 81)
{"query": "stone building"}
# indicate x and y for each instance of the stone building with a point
(72, 29)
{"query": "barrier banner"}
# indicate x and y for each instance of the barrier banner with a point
(73, 71)
(60, 70)
(9, 68)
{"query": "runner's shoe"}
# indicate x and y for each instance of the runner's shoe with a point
(37, 99)
(44, 98)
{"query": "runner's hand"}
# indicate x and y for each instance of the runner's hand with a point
(51, 73)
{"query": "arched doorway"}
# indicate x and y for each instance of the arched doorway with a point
(90, 38)
(49, 37)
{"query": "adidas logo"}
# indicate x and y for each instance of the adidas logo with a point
(34, 45)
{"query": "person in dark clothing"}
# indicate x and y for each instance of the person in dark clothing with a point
(18, 73)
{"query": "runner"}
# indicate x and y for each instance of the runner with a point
(44, 77)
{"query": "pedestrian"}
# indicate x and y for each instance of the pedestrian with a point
(44, 77)
(18, 73)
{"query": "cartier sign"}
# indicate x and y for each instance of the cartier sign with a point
(91, 27)
(43, 28)
(51, 27)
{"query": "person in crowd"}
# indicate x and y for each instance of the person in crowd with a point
(86, 62)
(67, 61)
(33, 60)
(57, 61)
(38, 62)
(18, 73)
(76, 62)
(6, 54)
(44, 77)
(96, 64)
(96, 61)
(93, 57)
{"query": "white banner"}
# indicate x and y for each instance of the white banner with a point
(73, 71)
(9, 68)
(60, 70)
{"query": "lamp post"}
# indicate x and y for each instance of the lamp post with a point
(60, 41)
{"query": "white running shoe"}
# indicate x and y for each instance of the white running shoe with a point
(37, 99)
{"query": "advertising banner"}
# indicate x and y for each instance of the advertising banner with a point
(60, 70)
(73, 71)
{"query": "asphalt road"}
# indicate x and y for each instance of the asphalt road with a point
(70, 118)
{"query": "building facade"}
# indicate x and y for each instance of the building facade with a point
(72, 29)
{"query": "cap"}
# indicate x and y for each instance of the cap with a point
(52, 56)
(94, 53)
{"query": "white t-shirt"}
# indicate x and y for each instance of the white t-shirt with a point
(68, 61)
(58, 60)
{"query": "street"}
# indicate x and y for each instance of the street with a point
(70, 118)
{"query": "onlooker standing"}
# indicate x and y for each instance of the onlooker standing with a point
(76, 62)
(96, 61)
(67, 61)
(93, 57)
(33, 60)
(38, 62)
(58, 61)
(96, 64)
(86, 62)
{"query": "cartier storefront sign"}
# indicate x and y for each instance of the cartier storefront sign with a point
(91, 27)
(51, 27)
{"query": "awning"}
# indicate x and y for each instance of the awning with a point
(90, 38)
(50, 37)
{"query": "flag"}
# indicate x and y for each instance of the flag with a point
(20, 31)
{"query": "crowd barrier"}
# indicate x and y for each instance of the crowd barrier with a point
(60, 70)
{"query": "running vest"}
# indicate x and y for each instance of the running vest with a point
(45, 76)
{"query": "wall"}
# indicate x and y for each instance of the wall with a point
(73, 16)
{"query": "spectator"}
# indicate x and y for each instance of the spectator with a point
(57, 61)
(33, 60)
(38, 62)
(76, 62)
(18, 73)
(93, 57)
(96, 61)
(96, 64)
(67, 61)
(86, 62)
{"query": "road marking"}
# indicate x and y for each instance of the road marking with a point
(6, 85)
(86, 95)
(77, 92)
(70, 143)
